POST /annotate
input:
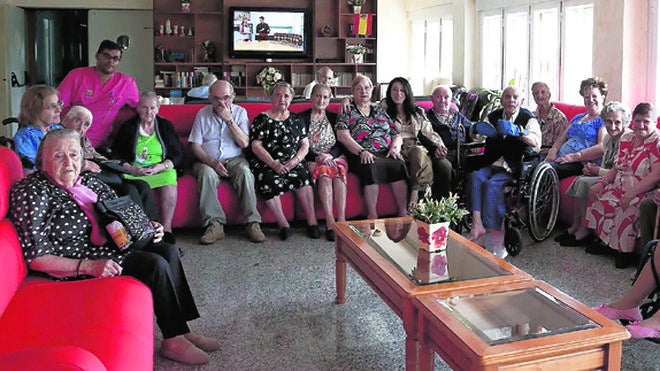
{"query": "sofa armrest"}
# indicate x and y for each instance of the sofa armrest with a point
(51, 358)
(110, 317)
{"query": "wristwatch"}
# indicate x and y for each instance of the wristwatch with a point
(230, 122)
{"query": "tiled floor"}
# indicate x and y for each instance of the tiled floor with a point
(272, 307)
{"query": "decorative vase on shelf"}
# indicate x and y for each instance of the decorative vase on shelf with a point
(357, 9)
(185, 6)
(432, 237)
(357, 58)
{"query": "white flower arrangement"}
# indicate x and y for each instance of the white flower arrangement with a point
(267, 77)
(356, 48)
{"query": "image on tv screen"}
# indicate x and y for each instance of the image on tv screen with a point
(269, 31)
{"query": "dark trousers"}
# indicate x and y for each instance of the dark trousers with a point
(159, 267)
(568, 169)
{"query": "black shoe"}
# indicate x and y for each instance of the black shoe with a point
(572, 241)
(625, 259)
(168, 237)
(563, 237)
(597, 248)
(181, 253)
(285, 233)
(330, 235)
(313, 231)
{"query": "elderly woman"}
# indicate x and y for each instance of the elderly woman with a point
(79, 119)
(413, 124)
(586, 131)
(617, 119)
(373, 144)
(325, 161)
(453, 128)
(279, 145)
(40, 112)
(613, 213)
(150, 151)
(52, 210)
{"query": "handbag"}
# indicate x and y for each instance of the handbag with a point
(132, 217)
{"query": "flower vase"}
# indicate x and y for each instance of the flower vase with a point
(357, 58)
(431, 267)
(357, 9)
(432, 237)
(185, 7)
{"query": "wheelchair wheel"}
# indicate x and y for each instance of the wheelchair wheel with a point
(513, 241)
(543, 201)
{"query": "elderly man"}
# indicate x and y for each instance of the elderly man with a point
(553, 121)
(217, 139)
(102, 89)
(324, 75)
(452, 127)
(518, 132)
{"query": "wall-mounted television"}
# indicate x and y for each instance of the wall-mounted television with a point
(259, 32)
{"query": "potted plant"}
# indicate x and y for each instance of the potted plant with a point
(185, 6)
(357, 52)
(433, 218)
(357, 5)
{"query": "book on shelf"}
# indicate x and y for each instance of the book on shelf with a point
(301, 79)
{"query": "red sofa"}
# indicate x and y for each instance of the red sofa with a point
(94, 324)
(187, 208)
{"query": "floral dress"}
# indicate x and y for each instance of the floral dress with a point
(615, 226)
(281, 139)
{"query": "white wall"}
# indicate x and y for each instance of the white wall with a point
(137, 61)
(393, 41)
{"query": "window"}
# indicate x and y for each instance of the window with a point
(432, 42)
(524, 44)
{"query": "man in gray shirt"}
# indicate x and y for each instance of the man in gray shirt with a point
(217, 139)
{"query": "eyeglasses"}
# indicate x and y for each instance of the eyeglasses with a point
(54, 106)
(114, 58)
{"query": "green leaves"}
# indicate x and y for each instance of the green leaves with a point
(446, 209)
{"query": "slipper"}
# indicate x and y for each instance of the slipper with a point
(572, 241)
(562, 237)
(638, 331)
(632, 314)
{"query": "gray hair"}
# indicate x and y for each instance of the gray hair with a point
(359, 78)
(75, 110)
(54, 135)
(318, 87)
(151, 95)
(614, 106)
(280, 84)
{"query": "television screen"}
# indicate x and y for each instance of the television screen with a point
(269, 32)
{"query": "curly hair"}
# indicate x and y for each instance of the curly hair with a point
(594, 82)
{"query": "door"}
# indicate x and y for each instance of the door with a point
(13, 59)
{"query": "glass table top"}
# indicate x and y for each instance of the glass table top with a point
(396, 240)
(508, 316)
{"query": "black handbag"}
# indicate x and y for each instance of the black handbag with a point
(132, 217)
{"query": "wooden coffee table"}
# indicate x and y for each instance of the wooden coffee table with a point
(525, 325)
(384, 253)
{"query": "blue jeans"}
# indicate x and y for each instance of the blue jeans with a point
(486, 194)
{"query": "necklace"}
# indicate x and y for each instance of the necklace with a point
(368, 108)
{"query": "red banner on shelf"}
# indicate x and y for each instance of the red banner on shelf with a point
(363, 22)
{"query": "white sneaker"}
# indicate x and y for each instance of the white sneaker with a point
(500, 252)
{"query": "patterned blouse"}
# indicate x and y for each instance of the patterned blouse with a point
(49, 222)
(374, 132)
(581, 135)
(321, 136)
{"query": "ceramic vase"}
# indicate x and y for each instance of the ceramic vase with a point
(432, 237)
(357, 9)
(431, 267)
(185, 7)
(357, 58)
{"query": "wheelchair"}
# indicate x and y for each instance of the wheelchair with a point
(531, 201)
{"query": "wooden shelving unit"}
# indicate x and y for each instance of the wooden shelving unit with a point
(179, 55)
